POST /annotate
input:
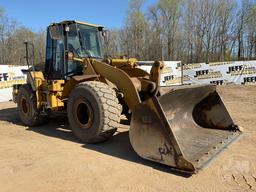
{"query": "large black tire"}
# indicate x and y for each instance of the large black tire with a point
(93, 111)
(28, 112)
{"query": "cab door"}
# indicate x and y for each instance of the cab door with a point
(55, 57)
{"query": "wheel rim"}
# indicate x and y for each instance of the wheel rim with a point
(84, 114)
(24, 106)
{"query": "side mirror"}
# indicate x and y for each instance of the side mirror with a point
(70, 55)
(105, 34)
(56, 32)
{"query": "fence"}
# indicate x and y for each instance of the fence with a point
(10, 75)
(220, 73)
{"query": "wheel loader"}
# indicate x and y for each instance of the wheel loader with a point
(184, 128)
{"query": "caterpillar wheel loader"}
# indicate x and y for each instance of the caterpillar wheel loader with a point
(184, 128)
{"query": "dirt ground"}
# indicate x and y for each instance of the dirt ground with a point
(49, 158)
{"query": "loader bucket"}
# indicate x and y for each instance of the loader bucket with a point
(184, 128)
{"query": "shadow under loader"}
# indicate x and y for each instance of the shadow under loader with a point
(118, 146)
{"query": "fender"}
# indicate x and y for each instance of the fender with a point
(74, 81)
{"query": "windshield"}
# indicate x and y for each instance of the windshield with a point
(84, 41)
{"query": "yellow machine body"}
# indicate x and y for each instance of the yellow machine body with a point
(184, 128)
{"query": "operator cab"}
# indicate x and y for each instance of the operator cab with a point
(71, 38)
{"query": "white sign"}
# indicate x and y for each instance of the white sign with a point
(10, 75)
(220, 73)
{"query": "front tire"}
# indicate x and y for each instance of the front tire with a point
(93, 111)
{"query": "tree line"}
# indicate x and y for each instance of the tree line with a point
(187, 30)
(12, 38)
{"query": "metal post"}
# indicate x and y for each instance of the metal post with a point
(181, 68)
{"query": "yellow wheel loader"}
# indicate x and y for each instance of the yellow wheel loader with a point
(184, 128)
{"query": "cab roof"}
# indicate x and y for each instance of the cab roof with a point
(75, 21)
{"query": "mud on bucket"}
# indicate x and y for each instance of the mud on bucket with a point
(184, 128)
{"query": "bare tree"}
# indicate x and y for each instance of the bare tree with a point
(7, 28)
(135, 31)
(155, 42)
(186, 30)
(170, 18)
(12, 38)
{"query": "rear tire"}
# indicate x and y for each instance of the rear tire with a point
(93, 111)
(28, 112)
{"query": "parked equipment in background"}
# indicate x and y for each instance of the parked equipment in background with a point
(184, 128)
